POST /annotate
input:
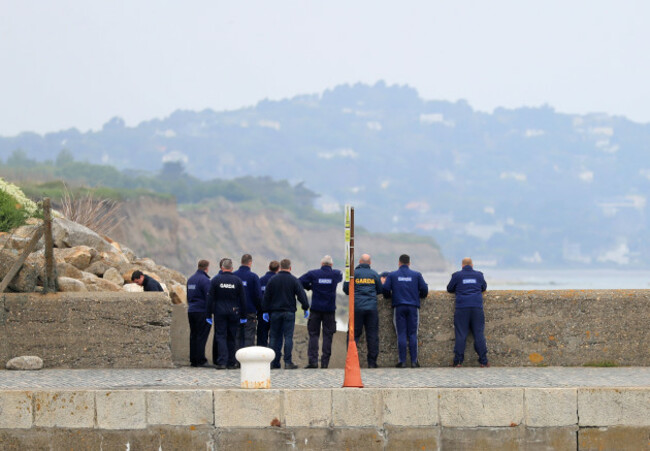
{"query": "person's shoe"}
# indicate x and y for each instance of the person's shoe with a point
(323, 366)
(236, 366)
(400, 365)
(220, 367)
(275, 367)
(290, 366)
(415, 364)
(372, 365)
(457, 364)
(311, 365)
(204, 365)
(485, 365)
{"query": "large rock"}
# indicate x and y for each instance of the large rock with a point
(67, 233)
(105, 285)
(25, 362)
(114, 276)
(132, 288)
(20, 237)
(64, 269)
(170, 275)
(78, 256)
(178, 293)
(25, 280)
(70, 284)
(98, 268)
(129, 254)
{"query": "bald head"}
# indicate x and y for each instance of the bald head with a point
(365, 259)
(468, 262)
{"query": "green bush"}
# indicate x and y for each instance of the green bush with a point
(12, 214)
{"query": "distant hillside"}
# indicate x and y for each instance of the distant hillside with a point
(526, 187)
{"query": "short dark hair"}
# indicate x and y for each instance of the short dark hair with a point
(203, 265)
(136, 275)
(221, 262)
(274, 266)
(384, 274)
(404, 259)
(246, 259)
(226, 263)
(285, 263)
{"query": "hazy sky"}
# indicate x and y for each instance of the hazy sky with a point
(73, 63)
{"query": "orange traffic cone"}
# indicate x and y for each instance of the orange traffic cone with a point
(352, 368)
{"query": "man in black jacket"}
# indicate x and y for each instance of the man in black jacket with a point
(146, 282)
(227, 302)
(367, 285)
(197, 292)
(280, 297)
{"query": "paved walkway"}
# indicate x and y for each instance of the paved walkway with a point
(188, 378)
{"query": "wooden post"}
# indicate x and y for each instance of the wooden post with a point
(50, 284)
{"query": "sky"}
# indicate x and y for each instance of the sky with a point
(74, 63)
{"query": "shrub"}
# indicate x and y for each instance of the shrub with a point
(15, 208)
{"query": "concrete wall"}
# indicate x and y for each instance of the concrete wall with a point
(377, 419)
(528, 328)
(87, 330)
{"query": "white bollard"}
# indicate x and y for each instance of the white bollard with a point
(255, 364)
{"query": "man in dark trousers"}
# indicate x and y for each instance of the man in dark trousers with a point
(197, 313)
(147, 283)
(469, 286)
(227, 302)
(406, 288)
(251, 281)
(263, 320)
(367, 285)
(280, 297)
(322, 282)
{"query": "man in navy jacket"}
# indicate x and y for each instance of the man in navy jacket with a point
(248, 329)
(469, 286)
(263, 318)
(367, 285)
(406, 287)
(322, 282)
(227, 301)
(197, 313)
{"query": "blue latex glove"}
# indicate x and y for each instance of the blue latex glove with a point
(209, 321)
(265, 317)
(307, 314)
(243, 321)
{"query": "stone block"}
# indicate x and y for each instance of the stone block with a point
(614, 406)
(411, 407)
(510, 438)
(619, 438)
(310, 408)
(247, 408)
(491, 407)
(179, 407)
(256, 439)
(353, 407)
(64, 409)
(401, 438)
(321, 439)
(122, 409)
(15, 409)
(550, 407)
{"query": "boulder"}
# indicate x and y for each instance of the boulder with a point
(98, 268)
(129, 254)
(103, 285)
(114, 276)
(70, 284)
(178, 293)
(146, 263)
(170, 275)
(132, 288)
(64, 269)
(20, 237)
(113, 258)
(66, 233)
(78, 256)
(25, 280)
(25, 362)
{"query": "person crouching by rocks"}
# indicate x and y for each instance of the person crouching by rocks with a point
(279, 300)
(367, 285)
(147, 283)
(323, 284)
(406, 287)
(197, 313)
(469, 286)
(227, 302)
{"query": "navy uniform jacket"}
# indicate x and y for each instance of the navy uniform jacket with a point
(251, 287)
(197, 292)
(264, 280)
(151, 284)
(281, 293)
(322, 282)
(469, 286)
(367, 285)
(226, 295)
(406, 287)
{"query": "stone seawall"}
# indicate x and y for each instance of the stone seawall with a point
(528, 328)
(320, 419)
(87, 330)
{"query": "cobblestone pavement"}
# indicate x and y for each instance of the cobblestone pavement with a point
(188, 378)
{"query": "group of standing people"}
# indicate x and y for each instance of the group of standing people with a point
(247, 310)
